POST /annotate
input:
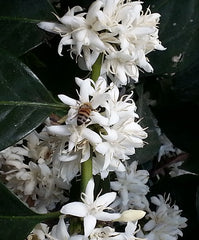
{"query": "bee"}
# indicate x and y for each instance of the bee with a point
(84, 113)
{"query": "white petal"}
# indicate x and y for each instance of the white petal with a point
(95, 41)
(85, 90)
(114, 117)
(90, 57)
(101, 85)
(85, 153)
(156, 201)
(149, 225)
(116, 165)
(124, 196)
(78, 81)
(78, 209)
(66, 40)
(98, 118)
(105, 199)
(105, 216)
(60, 230)
(114, 92)
(143, 30)
(52, 27)
(130, 229)
(67, 100)
(89, 193)
(92, 136)
(111, 136)
(116, 186)
(107, 161)
(94, 7)
(102, 148)
(59, 130)
(89, 224)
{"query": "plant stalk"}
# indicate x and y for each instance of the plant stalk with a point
(86, 167)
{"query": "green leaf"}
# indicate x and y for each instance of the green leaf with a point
(148, 121)
(197, 202)
(179, 33)
(24, 102)
(186, 85)
(18, 24)
(16, 220)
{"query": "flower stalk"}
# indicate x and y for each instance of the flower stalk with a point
(86, 173)
(96, 68)
(86, 167)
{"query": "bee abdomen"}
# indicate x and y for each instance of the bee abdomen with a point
(83, 116)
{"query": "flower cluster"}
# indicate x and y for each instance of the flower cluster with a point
(165, 222)
(117, 28)
(42, 187)
(110, 127)
(101, 127)
(131, 187)
(30, 173)
(91, 210)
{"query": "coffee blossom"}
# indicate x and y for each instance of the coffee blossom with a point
(110, 127)
(165, 222)
(29, 172)
(118, 29)
(132, 188)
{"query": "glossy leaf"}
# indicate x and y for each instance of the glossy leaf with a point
(186, 84)
(18, 24)
(16, 220)
(24, 101)
(148, 121)
(197, 202)
(178, 33)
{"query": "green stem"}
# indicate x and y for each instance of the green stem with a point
(86, 167)
(86, 173)
(96, 68)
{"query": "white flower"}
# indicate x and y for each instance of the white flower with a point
(76, 30)
(111, 130)
(137, 36)
(117, 28)
(39, 232)
(167, 148)
(118, 108)
(132, 187)
(130, 232)
(91, 210)
(100, 165)
(165, 222)
(105, 233)
(59, 231)
(120, 66)
(78, 138)
(120, 140)
(176, 171)
(30, 173)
